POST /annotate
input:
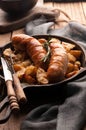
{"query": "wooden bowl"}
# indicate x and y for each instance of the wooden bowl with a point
(17, 6)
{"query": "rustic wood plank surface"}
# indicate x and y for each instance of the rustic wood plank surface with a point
(77, 12)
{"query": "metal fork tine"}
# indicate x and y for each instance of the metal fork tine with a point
(11, 61)
(9, 64)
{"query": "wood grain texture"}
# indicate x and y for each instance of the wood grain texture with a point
(74, 10)
(83, 4)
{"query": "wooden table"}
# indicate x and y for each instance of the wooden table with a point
(76, 11)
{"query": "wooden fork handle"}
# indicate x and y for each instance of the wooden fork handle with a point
(21, 97)
(12, 97)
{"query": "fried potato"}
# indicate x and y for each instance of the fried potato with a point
(30, 74)
(71, 58)
(41, 76)
(55, 40)
(7, 52)
(68, 46)
(17, 67)
(78, 63)
(76, 53)
(29, 79)
(70, 67)
(25, 63)
(71, 74)
(76, 67)
(21, 73)
(31, 70)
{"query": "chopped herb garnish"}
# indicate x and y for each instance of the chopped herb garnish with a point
(47, 47)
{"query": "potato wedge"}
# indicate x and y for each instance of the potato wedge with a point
(76, 53)
(68, 46)
(41, 76)
(70, 67)
(71, 58)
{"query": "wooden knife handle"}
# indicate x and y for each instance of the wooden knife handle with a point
(12, 97)
(19, 90)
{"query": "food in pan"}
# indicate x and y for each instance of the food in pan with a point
(43, 60)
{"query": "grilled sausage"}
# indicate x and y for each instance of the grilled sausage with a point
(33, 47)
(19, 41)
(36, 51)
(58, 63)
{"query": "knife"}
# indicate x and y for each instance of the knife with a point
(9, 84)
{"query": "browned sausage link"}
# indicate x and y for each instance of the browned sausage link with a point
(33, 47)
(19, 41)
(58, 63)
(36, 51)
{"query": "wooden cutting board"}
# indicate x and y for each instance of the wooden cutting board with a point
(9, 23)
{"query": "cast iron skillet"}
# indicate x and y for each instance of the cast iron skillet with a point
(82, 58)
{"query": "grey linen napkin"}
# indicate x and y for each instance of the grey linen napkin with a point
(68, 109)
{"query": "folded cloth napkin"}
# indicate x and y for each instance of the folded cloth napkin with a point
(69, 111)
